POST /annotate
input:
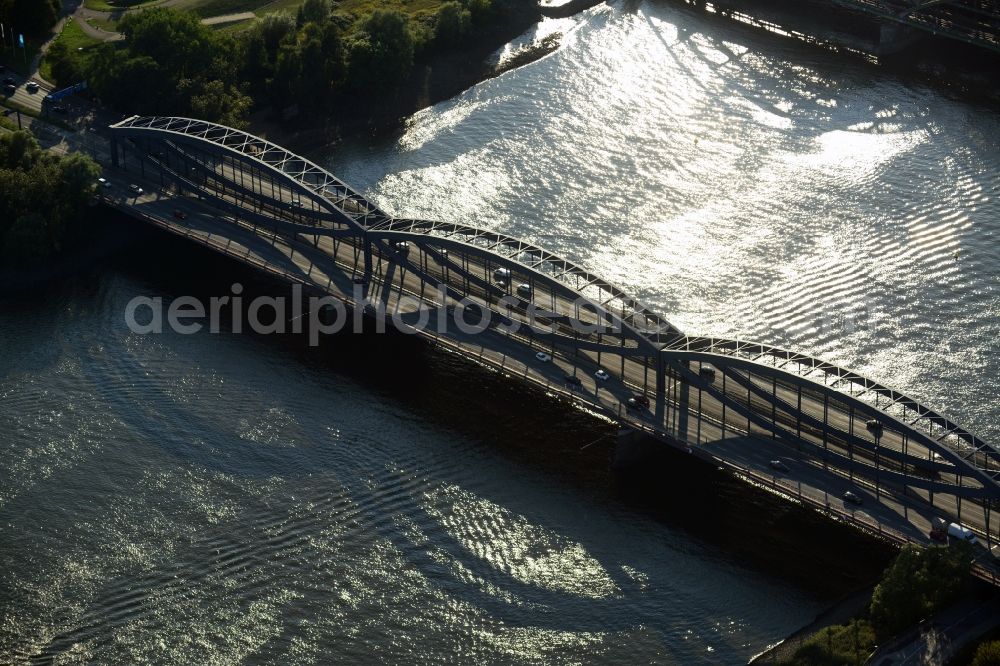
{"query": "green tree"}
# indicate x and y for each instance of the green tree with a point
(481, 11)
(31, 17)
(273, 29)
(66, 67)
(41, 197)
(452, 24)
(213, 100)
(313, 11)
(170, 64)
(177, 41)
(18, 150)
(77, 174)
(382, 53)
(918, 583)
(987, 654)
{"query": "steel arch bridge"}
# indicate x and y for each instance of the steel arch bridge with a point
(846, 422)
(975, 22)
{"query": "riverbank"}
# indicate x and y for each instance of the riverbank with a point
(960, 69)
(842, 611)
(434, 78)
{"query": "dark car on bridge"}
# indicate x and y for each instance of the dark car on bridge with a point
(638, 402)
(573, 380)
(852, 498)
(9, 89)
(778, 465)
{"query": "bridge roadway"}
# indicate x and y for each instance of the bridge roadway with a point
(743, 417)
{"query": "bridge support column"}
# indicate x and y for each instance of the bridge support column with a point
(661, 388)
(368, 260)
(661, 378)
(682, 393)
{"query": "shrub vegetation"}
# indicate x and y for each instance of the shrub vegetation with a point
(42, 198)
(320, 61)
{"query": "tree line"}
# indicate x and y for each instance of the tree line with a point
(29, 17)
(318, 61)
(43, 198)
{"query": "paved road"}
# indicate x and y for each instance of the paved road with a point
(24, 97)
(81, 14)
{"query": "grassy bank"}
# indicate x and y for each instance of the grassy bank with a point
(919, 583)
(72, 47)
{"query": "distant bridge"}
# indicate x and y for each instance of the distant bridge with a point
(735, 403)
(975, 22)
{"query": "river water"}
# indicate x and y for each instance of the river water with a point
(221, 498)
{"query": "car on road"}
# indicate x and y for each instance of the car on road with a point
(32, 87)
(852, 498)
(180, 215)
(602, 374)
(874, 427)
(402, 248)
(638, 402)
(524, 290)
(573, 380)
(9, 89)
(778, 465)
(707, 372)
(135, 189)
(9, 80)
(543, 357)
(502, 276)
(961, 533)
(103, 182)
(295, 202)
(442, 257)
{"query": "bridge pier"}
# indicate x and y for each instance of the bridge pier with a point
(661, 386)
(894, 38)
(368, 261)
